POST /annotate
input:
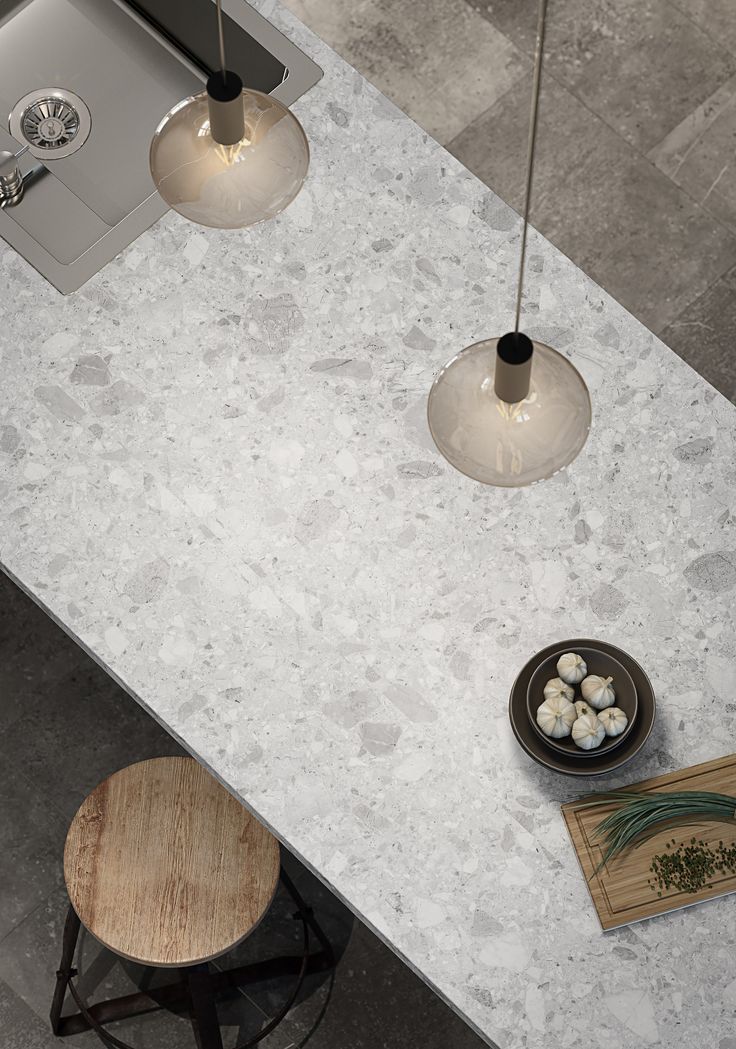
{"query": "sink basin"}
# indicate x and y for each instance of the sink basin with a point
(83, 84)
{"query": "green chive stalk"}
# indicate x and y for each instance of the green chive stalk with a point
(640, 816)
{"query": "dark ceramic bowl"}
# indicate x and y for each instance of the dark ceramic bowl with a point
(570, 764)
(597, 662)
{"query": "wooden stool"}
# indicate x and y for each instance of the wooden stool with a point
(166, 868)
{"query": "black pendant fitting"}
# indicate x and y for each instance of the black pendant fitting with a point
(224, 87)
(515, 348)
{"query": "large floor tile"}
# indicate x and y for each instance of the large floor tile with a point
(617, 217)
(700, 153)
(77, 731)
(31, 844)
(641, 65)
(439, 60)
(705, 335)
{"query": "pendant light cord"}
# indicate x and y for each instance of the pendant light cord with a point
(221, 36)
(531, 148)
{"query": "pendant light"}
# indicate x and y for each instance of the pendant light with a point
(229, 157)
(509, 411)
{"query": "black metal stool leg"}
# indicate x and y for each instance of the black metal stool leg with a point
(198, 988)
(65, 970)
(203, 1009)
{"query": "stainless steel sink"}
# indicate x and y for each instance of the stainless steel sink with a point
(83, 84)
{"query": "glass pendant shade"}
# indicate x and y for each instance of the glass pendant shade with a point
(229, 186)
(536, 428)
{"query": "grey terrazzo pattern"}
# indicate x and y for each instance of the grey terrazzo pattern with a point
(248, 524)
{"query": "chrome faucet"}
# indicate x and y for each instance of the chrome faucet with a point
(12, 182)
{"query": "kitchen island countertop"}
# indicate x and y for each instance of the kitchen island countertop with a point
(215, 473)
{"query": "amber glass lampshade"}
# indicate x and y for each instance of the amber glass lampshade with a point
(229, 157)
(509, 411)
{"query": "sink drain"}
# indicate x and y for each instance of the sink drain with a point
(54, 123)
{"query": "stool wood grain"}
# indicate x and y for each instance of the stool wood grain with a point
(165, 867)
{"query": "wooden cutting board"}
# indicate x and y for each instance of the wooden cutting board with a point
(621, 893)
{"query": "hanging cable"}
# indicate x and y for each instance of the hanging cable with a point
(531, 148)
(221, 36)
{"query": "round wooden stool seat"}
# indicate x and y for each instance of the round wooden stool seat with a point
(165, 867)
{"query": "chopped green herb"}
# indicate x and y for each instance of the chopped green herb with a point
(690, 868)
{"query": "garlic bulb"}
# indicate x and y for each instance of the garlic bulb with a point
(571, 668)
(556, 688)
(598, 691)
(614, 720)
(583, 708)
(587, 732)
(555, 717)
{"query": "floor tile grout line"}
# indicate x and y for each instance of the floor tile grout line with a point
(726, 225)
(14, 928)
(693, 302)
(686, 14)
(504, 94)
(656, 148)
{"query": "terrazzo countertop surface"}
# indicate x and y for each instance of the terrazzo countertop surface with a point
(215, 472)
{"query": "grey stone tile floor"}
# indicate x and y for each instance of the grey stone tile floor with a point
(636, 174)
(65, 725)
(636, 183)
